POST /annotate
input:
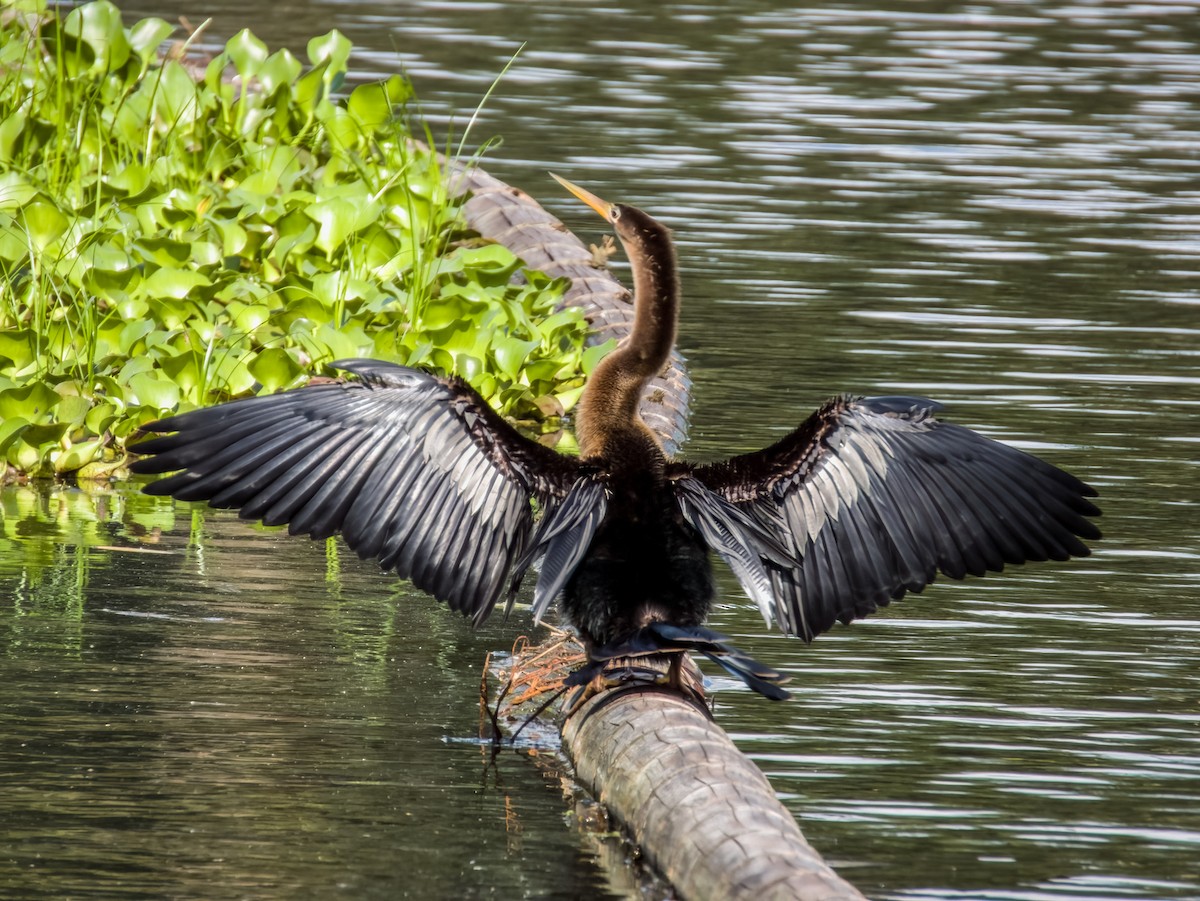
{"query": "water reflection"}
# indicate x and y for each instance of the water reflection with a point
(995, 205)
(192, 707)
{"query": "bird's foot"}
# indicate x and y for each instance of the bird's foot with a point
(675, 671)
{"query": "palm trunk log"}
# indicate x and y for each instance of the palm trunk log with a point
(703, 814)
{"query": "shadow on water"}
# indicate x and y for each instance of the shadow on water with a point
(993, 204)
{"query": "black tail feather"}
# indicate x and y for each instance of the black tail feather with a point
(661, 638)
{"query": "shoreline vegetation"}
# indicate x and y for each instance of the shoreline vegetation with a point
(174, 236)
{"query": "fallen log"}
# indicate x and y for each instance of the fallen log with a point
(703, 816)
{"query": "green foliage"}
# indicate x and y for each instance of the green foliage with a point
(169, 241)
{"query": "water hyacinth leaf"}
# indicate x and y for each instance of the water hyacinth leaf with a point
(426, 181)
(101, 416)
(378, 249)
(132, 366)
(206, 254)
(96, 35)
(595, 353)
(181, 208)
(279, 69)
(131, 308)
(511, 353)
(231, 376)
(460, 336)
(77, 455)
(565, 319)
(129, 181)
(107, 337)
(128, 123)
(298, 197)
(111, 285)
(248, 54)
(375, 105)
(72, 409)
(343, 129)
(249, 317)
(12, 127)
(275, 369)
(282, 166)
(337, 219)
(34, 402)
(14, 245)
(15, 191)
(132, 333)
(303, 312)
(222, 89)
(541, 371)
(356, 334)
(332, 48)
(337, 344)
(419, 351)
(11, 429)
(490, 264)
(19, 347)
(153, 389)
(331, 288)
(107, 252)
(25, 453)
(234, 238)
(441, 360)
(178, 103)
(310, 88)
(184, 369)
(41, 433)
(146, 36)
(449, 309)
(176, 284)
(297, 234)
(486, 384)
(467, 366)
(203, 331)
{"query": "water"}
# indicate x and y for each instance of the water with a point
(993, 204)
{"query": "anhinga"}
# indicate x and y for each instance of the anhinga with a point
(868, 499)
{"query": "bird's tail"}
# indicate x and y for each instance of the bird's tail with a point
(664, 638)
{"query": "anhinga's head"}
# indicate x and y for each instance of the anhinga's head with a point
(647, 241)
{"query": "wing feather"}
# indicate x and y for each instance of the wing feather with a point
(316, 503)
(875, 496)
(411, 468)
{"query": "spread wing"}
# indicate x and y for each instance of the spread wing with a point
(875, 496)
(413, 469)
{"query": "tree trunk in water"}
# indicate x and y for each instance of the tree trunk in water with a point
(701, 811)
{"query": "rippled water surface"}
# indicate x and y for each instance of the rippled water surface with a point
(996, 205)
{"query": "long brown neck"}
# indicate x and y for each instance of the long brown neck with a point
(608, 419)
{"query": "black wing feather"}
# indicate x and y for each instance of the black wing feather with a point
(875, 496)
(563, 538)
(411, 468)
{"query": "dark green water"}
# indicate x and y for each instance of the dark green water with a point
(996, 205)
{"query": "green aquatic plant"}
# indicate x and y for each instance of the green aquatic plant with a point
(172, 236)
